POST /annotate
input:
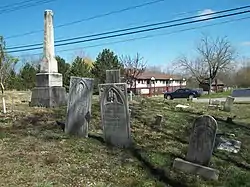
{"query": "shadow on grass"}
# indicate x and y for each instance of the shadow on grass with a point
(225, 121)
(158, 173)
(169, 136)
(241, 125)
(229, 159)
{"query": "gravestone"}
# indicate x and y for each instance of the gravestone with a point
(228, 104)
(113, 76)
(158, 120)
(79, 106)
(115, 114)
(49, 90)
(200, 149)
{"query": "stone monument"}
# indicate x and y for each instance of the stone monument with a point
(49, 90)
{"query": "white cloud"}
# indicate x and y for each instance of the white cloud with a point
(247, 43)
(204, 12)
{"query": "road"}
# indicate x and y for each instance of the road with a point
(237, 99)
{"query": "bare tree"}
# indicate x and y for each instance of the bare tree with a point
(7, 64)
(242, 75)
(133, 67)
(213, 56)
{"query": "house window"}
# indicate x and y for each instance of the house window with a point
(139, 81)
(148, 81)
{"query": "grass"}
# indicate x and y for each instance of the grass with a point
(35, 152)
(218, 95)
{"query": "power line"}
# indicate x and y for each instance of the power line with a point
(90, 18)
(13, 4)
(26, 6)
(131, 28)
(135, 32)
(151, 36)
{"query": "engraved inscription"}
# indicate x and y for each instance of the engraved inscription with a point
(114, 112)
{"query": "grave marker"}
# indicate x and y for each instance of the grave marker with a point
(228, 104)
(79, 106)
(115, 114)
(113, 76)
(49, 90)
(202, 140)
(200, 149)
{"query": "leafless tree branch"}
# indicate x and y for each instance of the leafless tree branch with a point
(214, 56)
(133, 67)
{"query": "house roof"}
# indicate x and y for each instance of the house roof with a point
(149, 75)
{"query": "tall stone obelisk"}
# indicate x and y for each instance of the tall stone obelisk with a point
(49, 90)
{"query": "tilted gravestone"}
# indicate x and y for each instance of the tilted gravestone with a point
(115, 114)
(200, 149)
(79, 106)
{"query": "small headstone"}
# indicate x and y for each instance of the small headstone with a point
(115, 114)
(158, 120)
(200, 149)
(228, 104)
(113, 76)
(79, 106)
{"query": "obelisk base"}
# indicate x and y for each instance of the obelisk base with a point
(48, 91)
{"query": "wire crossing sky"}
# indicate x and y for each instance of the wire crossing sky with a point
(159, 30)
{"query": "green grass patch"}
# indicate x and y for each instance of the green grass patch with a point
(218, 95)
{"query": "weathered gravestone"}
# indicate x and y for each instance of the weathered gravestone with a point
(113, 76)
(228, 104)
(115, 114)
(79, 106)
(200, 149)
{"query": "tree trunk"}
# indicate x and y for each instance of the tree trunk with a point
(3, 100)
(4, 105)
(135, 87)
(209, 86)
(216, 85)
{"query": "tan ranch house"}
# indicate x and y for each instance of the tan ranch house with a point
(149, 84)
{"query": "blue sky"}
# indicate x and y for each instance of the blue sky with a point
(158, 51)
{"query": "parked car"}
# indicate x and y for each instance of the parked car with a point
(182, 93)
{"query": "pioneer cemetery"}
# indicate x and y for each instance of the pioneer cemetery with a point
(99, 132)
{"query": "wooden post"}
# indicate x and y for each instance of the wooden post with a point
(113, 76)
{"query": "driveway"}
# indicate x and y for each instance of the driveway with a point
(237, 99)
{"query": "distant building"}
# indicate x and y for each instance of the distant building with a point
(217, 85)
(156, 83)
